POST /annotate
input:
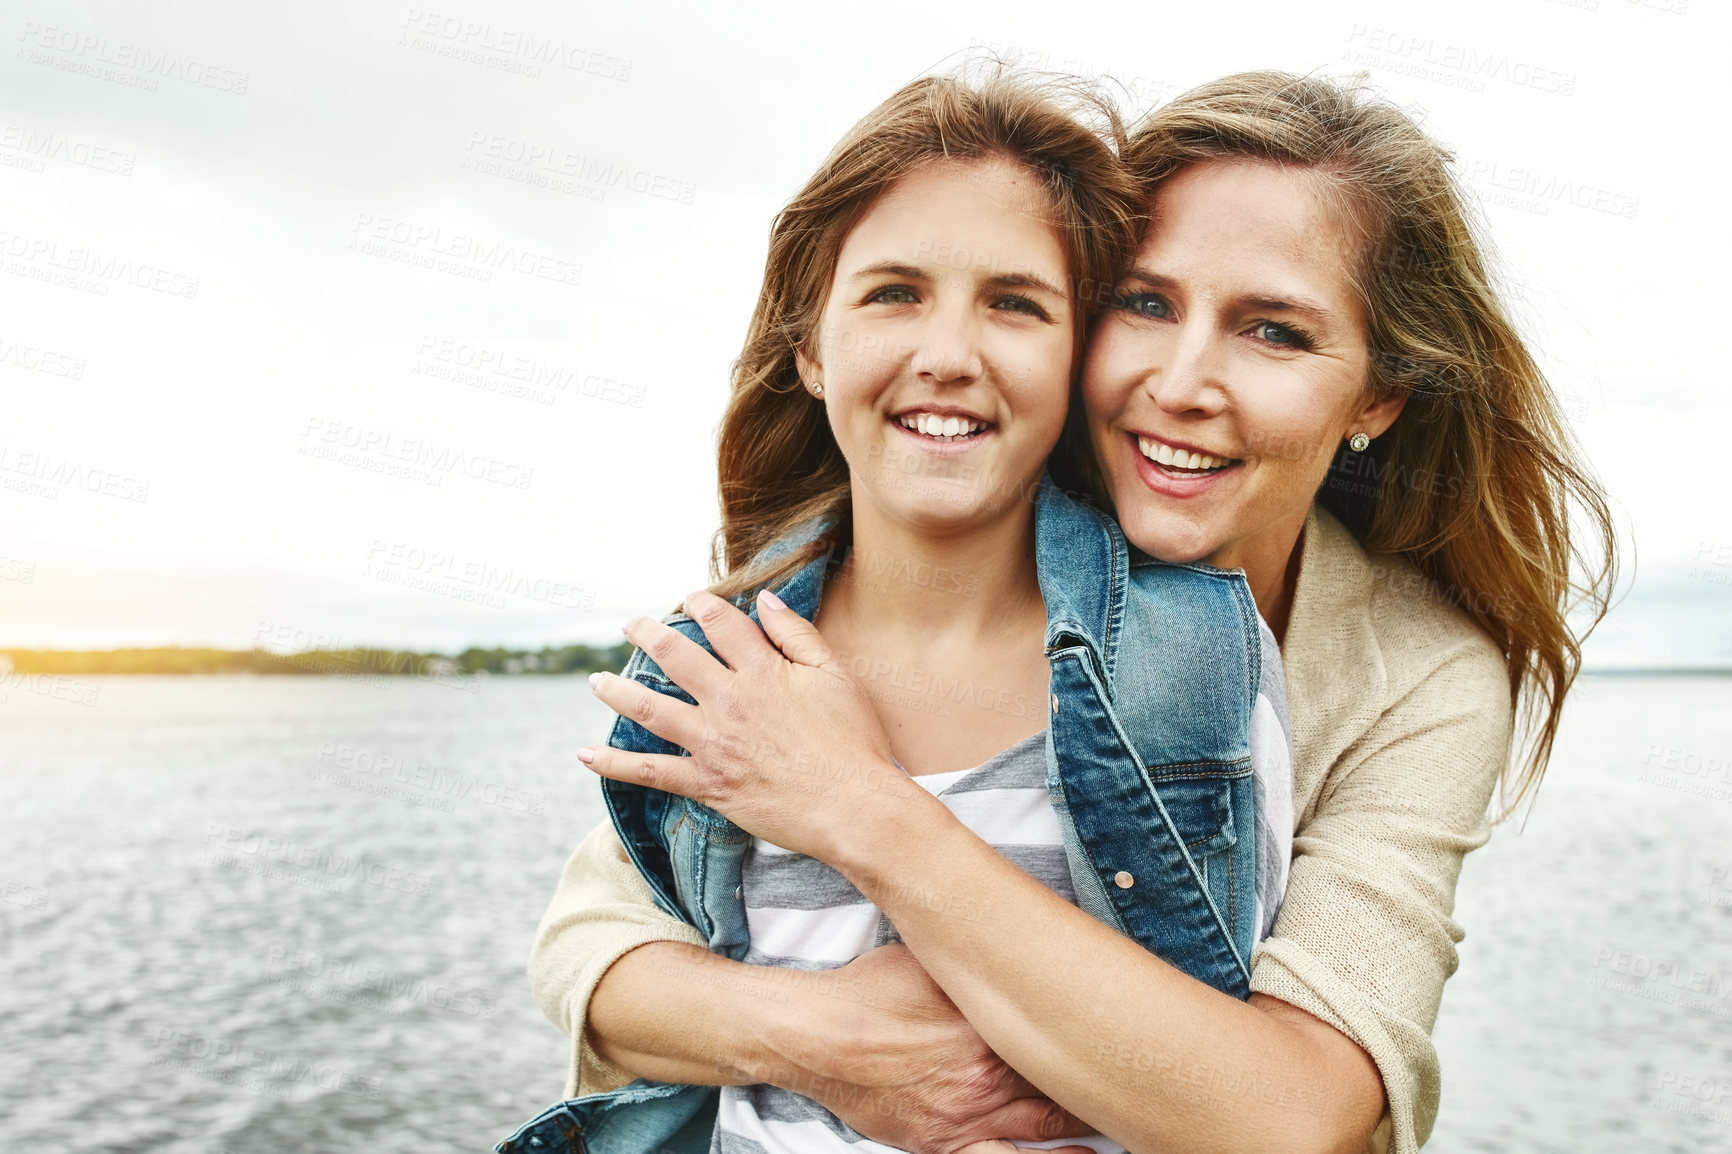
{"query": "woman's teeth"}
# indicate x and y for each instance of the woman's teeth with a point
(1164, 454)
(944, 428)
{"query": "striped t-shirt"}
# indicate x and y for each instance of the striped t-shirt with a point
(803, 914)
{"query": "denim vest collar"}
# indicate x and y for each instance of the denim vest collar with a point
(1081, 559)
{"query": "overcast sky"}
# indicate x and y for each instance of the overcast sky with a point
(318, 326)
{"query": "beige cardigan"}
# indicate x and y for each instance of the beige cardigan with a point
(1401, 724)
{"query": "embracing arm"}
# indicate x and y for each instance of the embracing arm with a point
(1348, 986)
(602, 911)
(1155, 1059)
(876, 1042)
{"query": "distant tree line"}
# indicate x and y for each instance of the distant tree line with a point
(378, 662)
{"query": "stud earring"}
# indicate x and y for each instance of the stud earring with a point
(817, 388)
(1359, 442)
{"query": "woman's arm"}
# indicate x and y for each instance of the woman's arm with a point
(876, 1042)
(1154, 1058)
(602, 910)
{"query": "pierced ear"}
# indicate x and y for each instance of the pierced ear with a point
(1380, 412)
(809, 368)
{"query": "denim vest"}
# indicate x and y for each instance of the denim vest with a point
(1154, 677)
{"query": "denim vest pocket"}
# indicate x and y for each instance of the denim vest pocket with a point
(1213, 814)
(1202, 810)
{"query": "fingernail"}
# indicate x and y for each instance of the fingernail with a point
(586, 755)
(594, 680)
(765, 597)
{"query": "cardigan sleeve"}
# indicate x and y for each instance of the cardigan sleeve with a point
(602, 910)
(1365, 939)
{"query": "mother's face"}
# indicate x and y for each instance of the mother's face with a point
(1232, 365)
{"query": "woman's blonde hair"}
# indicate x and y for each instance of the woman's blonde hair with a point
(1479, 483)
(779, 467)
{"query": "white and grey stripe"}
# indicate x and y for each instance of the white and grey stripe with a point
(1272, 770)
(802, 914)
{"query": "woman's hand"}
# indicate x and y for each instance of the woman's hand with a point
(783, 740)
(886, 1051)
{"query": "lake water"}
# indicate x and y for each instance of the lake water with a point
(273, 914)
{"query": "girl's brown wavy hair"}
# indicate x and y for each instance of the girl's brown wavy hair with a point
(1479, 483)
(779, 467)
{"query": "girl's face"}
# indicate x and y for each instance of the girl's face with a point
(1232, 365)
(945, 346)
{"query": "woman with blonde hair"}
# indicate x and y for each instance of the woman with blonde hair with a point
(1305, 374)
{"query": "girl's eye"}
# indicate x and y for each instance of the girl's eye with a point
(1019, 304)
(895, 294)
(1151, 305)
(1279, 335)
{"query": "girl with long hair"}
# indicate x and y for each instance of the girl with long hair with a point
(1103, 725)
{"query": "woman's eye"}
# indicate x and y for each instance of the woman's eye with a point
(894, 295)
(1144, 304)
(1280, 335)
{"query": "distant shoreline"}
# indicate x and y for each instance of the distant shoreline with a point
(316, 662)
(1658, 671)
(568, 659)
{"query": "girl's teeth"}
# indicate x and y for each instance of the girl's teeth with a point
(946, 428)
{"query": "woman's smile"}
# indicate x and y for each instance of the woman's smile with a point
(1178, 469)
(1232, 365)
